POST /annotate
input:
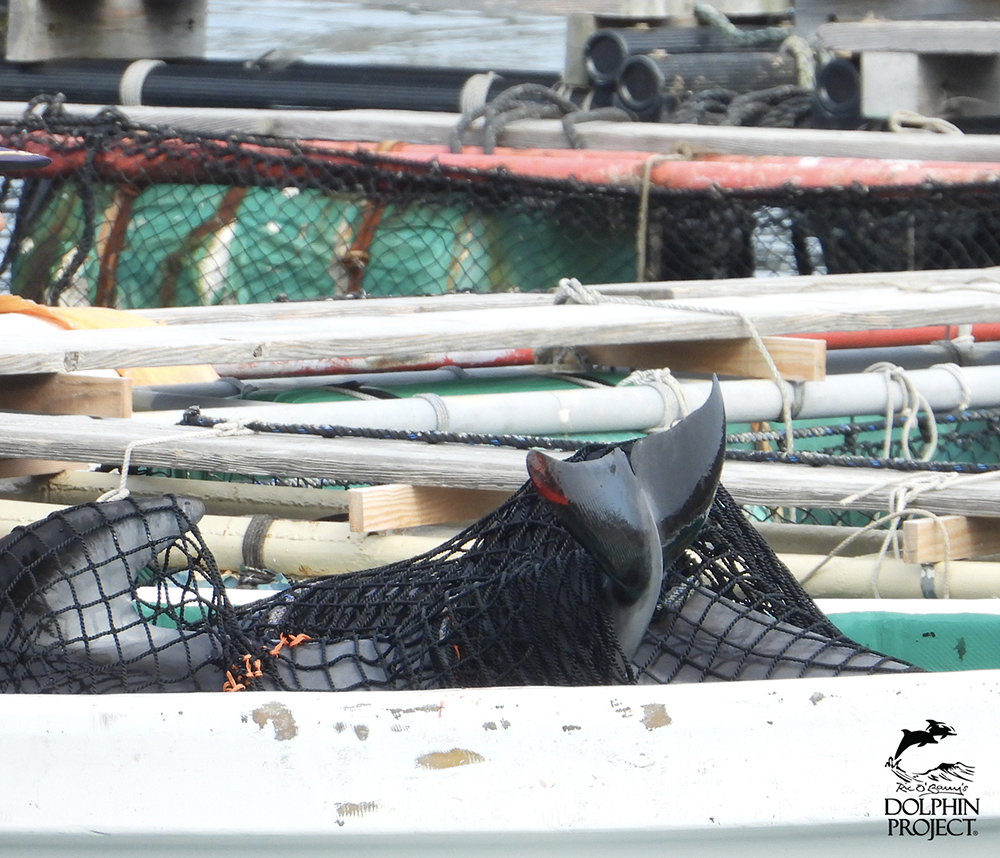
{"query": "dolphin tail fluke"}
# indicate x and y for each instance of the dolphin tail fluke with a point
(679, 470)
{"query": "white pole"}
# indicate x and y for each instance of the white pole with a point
(638, 408)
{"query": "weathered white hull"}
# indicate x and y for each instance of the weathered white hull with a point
(755, 767)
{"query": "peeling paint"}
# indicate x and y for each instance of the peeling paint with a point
(356, 809)
(449, 759)
(816, 697)
(340, 726)
(361, 731)
(430, 707)
(654, 716)
(280, 716)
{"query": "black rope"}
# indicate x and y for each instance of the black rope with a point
(194, 417)
(807, 457)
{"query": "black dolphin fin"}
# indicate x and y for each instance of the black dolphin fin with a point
(679, 470)
(601, 503)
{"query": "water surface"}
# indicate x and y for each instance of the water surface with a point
(498, 35)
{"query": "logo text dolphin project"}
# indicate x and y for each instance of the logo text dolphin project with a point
(934, 803)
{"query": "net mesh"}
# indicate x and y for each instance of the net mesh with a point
(125, 596)
(141, 216)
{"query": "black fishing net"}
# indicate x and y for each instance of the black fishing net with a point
(140, 216)
(125, 596)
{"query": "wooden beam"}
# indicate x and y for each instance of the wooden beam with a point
(357, 460)
(62, 393)
(681, 290)
(796, 359)
(926, 37)
(220, 497)
(391, 507)
(967, 537)
(777, 484)
(381, 333)
(334, 309)
(435, 128)
(457, 465)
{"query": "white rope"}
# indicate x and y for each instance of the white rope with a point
(913, 403)
(805, 60)
(902, 493)
(670, 390)
(572, 291)
(963, 384)
(441, 415)
(909, 122)
(683, 153)
(354, 394)
(230, 428)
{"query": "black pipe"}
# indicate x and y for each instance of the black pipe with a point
(645, 80)
(838, 95)
(247, 85)
(606, 51)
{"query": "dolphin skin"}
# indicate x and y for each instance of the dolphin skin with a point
(67, 601)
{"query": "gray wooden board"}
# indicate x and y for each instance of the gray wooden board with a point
(352, 459)
(435, 128)
(691, 289)
(395, 335)
(653, 290)
(351, 307)
(459, 465)
(924, 37)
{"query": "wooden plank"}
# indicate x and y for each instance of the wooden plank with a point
(927, 37)
(357, 460)
(335, 309)
(967, 537)
(796, 359)
(391, 507)
(61, 393)
(777, 484)
(12, 468)
(220, 497)
(435, 128)
(456, 465)
(689, 289)
(547, 326)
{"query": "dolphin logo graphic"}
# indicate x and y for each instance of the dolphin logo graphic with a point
(935, 730)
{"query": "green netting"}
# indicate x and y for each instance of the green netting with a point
(135, 217)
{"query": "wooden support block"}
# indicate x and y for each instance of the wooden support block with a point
(391, 507)
(60, 393)
(797, 359)
(967, 537)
